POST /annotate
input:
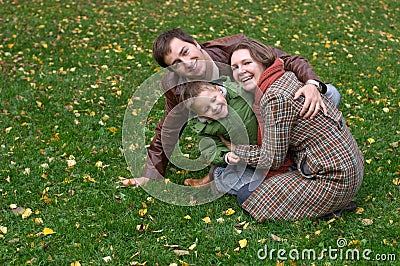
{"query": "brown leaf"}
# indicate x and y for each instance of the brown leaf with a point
(276, 238)
(181, 252)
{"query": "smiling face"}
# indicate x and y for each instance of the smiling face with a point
(210, 104)
(186, 59)
(246, 71)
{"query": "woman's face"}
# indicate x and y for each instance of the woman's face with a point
(246, 71)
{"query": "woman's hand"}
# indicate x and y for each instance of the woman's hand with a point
(232, 158)
(227, 143)
(312, 101)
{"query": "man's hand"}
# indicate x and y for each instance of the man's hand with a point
(312, 101)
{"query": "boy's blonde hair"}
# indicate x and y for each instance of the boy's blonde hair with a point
(191, 90)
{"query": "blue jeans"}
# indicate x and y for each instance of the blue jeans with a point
(333, 94)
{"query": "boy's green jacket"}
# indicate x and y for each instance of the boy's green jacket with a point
(239, 127)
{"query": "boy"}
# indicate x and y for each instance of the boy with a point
(222, 111)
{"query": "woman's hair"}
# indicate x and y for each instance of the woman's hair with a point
(190, 90)
(161, 45)
(258, 51)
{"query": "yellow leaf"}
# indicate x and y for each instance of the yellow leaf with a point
(370, 140)
(3, 229)
(130, 57)
(44, 45)
(386, 110)
(396, 181)
(368, 161)
(187, 217)
(379, 69)
(48, 231)
(76, 263)
(10, 45)
(142, 212)
(243, 243)
(27, 212)
(359, 210)
(318, 232)
(229, 211)
(8, 130)
(207, 220)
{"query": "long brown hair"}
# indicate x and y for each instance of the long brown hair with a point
(258, 51)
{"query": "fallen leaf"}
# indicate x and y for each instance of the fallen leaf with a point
(48, 231)
(75, 263)
(367, 221)
(181, 252)
(107, 259)
(187, 217)
(26, 213)
(359, 210)
(228, 212)
(3, 229)
(207, 220)
(276, 238)
(243, 243)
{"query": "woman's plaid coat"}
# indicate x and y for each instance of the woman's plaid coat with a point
(329, 163)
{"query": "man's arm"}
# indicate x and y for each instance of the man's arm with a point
(167, 130)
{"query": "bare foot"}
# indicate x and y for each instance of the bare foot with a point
(135, 181)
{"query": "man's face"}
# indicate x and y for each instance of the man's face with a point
(186, 59)
(246, 71)
(211, 104)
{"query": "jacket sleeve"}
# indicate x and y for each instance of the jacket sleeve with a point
(212, 149)
(299, 66)
(167, 132)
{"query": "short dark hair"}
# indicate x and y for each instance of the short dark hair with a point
(161, 45)
(258, 51)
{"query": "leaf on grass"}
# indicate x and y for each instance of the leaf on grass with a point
(367, 221)
(276, 238)
(142, 212)
(107, 259)
(181, 252)
(75, 263)
(220, 220)
(370, 140)
(243, 243)
(192, 246)
(228, 212)
(187, 217)
(48, 231)
(359, 210)
(207, 220)
(3, 229)
(26, 213)
(396, 181)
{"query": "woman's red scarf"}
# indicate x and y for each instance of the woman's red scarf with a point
(269, 76)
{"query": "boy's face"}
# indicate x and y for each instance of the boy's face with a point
(211, 104)
(186, 59)
(246, 71)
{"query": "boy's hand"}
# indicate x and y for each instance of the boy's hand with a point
(312, 101)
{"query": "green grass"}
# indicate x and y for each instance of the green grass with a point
(64, 67)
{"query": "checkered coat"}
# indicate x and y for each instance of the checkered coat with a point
(329, 163)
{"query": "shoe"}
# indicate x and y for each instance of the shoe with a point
(195, 182)
(350, 207)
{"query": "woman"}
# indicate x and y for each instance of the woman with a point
(329, 164)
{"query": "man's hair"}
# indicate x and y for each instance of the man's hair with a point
(258, 51)
(190, 90)
(161, 46)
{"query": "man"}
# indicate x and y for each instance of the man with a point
(188, 60)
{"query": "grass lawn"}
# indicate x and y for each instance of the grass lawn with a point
(67, 72)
